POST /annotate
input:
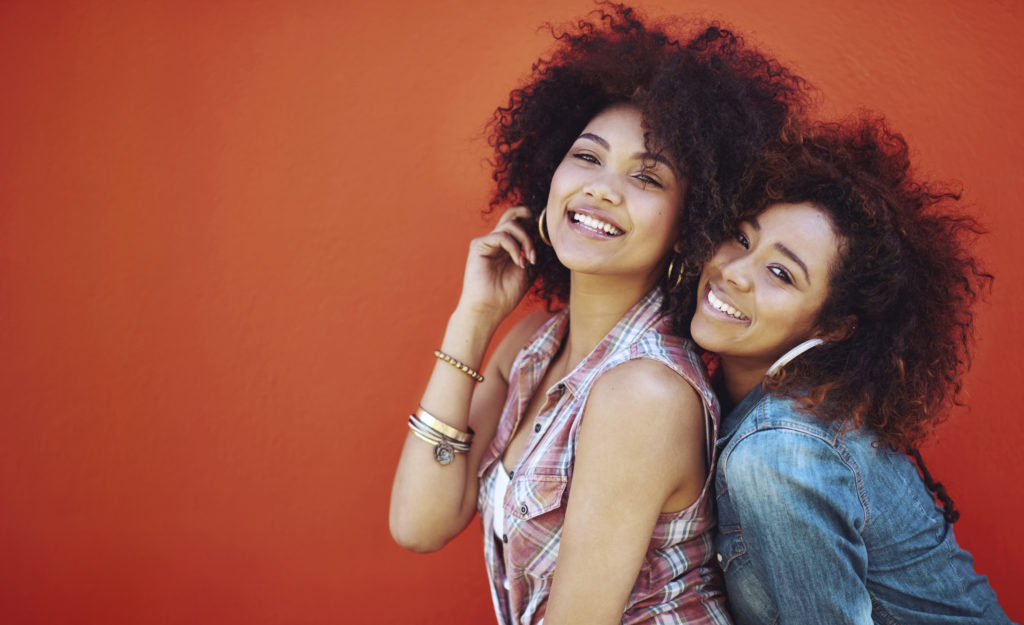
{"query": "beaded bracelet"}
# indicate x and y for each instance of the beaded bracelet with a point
(461, 366)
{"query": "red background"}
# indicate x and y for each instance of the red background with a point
(230, 234)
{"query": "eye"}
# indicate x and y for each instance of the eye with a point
(781, 273)
(742, 240)
(586, 156)
(646, 179)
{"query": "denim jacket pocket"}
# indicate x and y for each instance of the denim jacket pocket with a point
(729, 542)
(730, 546)
(749, 600)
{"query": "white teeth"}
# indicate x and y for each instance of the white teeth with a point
(596, 224)
(722, 306)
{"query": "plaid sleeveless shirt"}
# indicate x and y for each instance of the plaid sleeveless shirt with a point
(678, 582)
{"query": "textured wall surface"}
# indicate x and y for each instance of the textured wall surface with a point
(230, 234)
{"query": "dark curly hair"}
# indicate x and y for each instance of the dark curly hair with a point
(905, 273)
(708, 101)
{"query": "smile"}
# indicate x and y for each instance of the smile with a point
(719, 305)
(594, 224)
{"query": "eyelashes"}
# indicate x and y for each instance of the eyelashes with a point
(779, 271)
(781, 274)
(644, 176)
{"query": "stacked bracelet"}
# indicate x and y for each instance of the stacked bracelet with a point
(447, 441)
(443, 428)
(461, 366)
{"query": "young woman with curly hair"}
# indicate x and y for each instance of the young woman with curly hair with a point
(586, 444)
(840, 312)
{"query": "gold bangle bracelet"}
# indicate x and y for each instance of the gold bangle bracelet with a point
(444, 449)
(431, 436)
(422, 437)
(433, 422)
(458, 364)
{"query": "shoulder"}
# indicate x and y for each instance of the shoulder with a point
(643, 395)
(783, 415)
(680, 355)
(776, 429)
(783, 448)
(780, 479)
(642, 423)
(790, 462)
(518, 338)
(644, 380)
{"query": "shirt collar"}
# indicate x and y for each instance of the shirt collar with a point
(736, 416)
(644, 314)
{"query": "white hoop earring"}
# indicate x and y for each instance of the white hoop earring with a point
(791, 354)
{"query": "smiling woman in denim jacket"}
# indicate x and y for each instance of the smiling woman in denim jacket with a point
(841, 314)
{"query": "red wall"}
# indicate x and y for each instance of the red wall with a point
(229, 238)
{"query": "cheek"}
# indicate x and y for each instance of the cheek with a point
(559, 181)
(663, 218)
(794, 321)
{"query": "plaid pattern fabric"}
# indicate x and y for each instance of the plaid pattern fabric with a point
(677, 582)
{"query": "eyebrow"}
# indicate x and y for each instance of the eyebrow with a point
(796, 259)
(596, 139)
(644, 156)
(784, 250)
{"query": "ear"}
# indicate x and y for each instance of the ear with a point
(843, 332)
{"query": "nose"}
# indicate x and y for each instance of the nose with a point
(736, 271)
(602, 189)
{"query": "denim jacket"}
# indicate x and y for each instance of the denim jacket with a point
(819, 524)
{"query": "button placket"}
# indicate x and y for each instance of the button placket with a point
(553, 398)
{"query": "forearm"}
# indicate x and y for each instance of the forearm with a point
(450, 391)
(432, 502)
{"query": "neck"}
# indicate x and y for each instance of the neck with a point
(741, 376)
(596, 304)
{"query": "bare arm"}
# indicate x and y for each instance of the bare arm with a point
(640, 452)
(430, 502)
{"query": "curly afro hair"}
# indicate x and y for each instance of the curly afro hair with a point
(905, 272)
(709, 102)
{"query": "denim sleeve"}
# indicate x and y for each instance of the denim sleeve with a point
(800, 516)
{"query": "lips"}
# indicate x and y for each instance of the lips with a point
(595, 224)
(722, 306)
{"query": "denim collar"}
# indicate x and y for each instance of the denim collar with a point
(736, 416)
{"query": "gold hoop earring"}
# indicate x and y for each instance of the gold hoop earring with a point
(674, 282)
(541, 229)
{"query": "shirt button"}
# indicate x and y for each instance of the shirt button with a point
(536, 428)
(523, 509)
(504, 538)
(719, 558)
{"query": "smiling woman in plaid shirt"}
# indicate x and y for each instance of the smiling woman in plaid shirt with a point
(586, 443)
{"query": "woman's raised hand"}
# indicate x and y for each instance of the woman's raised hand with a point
(497, 276)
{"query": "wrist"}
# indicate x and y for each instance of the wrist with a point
(467, 336)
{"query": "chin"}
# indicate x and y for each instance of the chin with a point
(700, 335)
